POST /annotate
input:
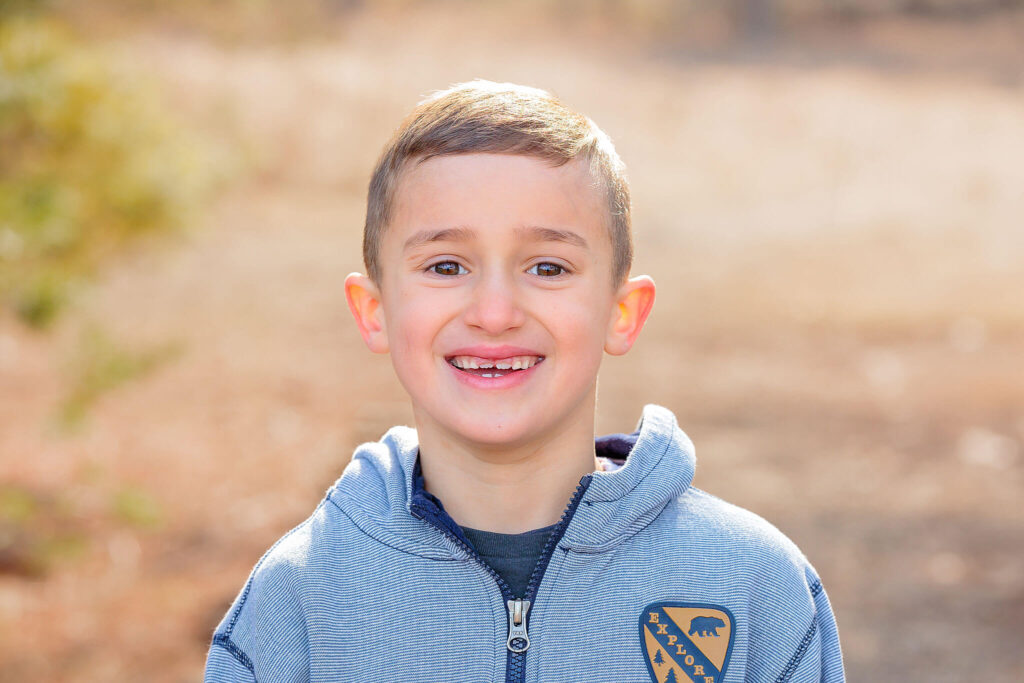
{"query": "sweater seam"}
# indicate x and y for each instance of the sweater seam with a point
(624, 537)
(223, 640)
(451, 557)
(798, 656)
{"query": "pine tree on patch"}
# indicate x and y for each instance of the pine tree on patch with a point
(671, 678)
(658, 659)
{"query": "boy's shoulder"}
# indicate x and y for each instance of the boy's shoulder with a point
(356, 520)
(734, 542)
(735, 526)
(281, 569)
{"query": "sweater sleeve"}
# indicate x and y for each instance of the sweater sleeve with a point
(225, 666)
(818, 658)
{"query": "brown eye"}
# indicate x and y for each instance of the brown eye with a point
(547, 269)
(447, 268)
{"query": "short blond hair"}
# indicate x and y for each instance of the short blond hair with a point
(500, 118)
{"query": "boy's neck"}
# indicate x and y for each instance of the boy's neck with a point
(510, 490)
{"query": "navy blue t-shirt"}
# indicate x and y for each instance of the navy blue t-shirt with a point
(513, 556)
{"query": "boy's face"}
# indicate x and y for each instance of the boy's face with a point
(504, 263)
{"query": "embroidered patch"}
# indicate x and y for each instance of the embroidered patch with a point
(686, 642)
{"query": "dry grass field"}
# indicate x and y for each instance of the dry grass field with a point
(837, 237)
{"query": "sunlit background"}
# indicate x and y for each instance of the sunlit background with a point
(829, 194)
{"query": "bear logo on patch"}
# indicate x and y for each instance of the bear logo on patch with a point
(705, 626)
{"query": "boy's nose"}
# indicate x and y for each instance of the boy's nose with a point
(494, 307)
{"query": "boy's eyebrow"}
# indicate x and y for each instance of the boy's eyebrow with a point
(541, 234)
(535, 233)
(443, 235)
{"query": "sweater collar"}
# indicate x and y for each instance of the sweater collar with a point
(659, 468)
(382, 484)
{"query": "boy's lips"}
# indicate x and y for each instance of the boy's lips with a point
(493, 367)
(493, 352)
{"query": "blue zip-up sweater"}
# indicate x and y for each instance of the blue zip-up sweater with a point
(645, 578)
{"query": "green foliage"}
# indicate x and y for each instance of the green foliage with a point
(136, 507)
(36, 531)
(90, 162)
(40, 530)
(16, 505)
(101, 365)
(14, 7)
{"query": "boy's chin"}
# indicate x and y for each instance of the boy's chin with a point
(490, 433)
(496, 434)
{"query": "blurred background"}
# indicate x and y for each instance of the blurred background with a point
(828, 193)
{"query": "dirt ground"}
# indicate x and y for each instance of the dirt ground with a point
(839, 252)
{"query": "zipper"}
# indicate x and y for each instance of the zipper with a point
(518, 641)
(518, 638)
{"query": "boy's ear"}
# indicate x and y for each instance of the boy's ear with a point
(364, 301)
(633, 301)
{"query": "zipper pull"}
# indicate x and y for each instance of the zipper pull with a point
(518, 638)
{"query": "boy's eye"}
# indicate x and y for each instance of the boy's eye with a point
(447, 268)
(546, 269)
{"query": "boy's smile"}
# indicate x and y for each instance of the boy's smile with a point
(505, 363)
(496, 300)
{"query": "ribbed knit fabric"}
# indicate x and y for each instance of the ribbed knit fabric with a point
(366, 590)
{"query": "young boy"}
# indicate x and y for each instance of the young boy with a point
(499, 541)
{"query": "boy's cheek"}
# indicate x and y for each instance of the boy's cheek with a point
(413, 332)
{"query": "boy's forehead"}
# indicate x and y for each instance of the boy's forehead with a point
(456, 193)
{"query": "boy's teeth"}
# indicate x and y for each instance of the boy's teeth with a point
(511, 363)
